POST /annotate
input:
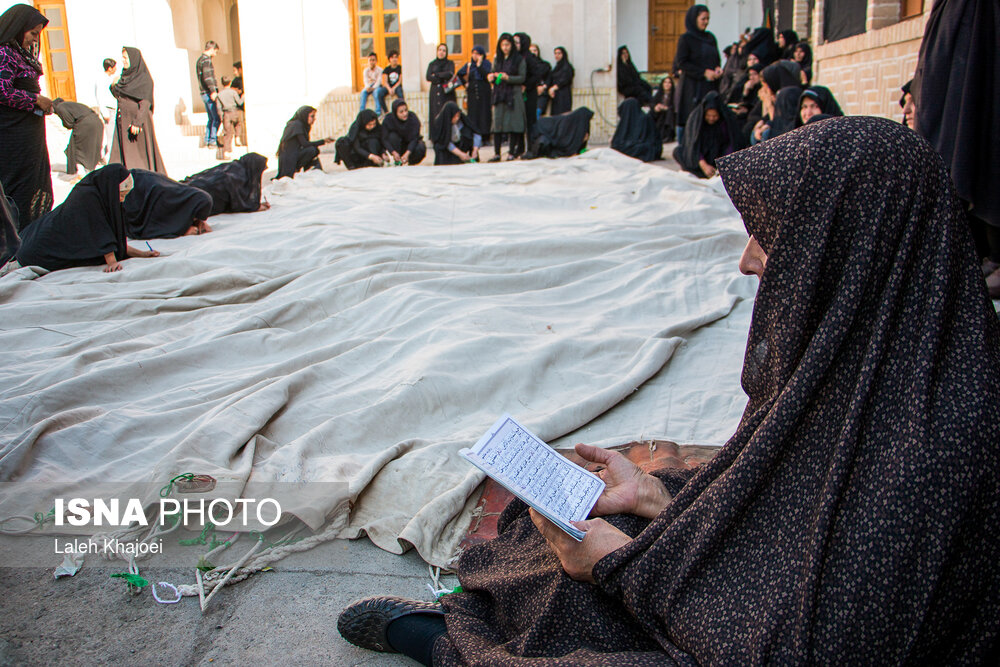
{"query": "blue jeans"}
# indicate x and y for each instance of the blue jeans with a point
(379, 95)
(214, 121)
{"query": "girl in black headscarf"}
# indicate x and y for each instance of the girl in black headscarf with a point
(816, 100)
(662, 110)
(401, 136)
(803, 55)
(698, 60)
(636, 134)
(786, 112)
(772, 79)
(559, 84)
(850, 519)
(455, 139)
(24, 155)
(509, 73)
(362, 147)
(762, 46)
(536, 70)
(440, 72)
(711, 132)
(88, 229)
(906, 104)
(161, 208)
(563, 135)
(630, 84)
(295, 151)
(134, 144)
(234, 186)
(787, 39)
(478, 92)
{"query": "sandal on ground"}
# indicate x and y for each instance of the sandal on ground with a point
(365, 623)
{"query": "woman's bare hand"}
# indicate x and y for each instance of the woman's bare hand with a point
(628, 490)
(579, 558)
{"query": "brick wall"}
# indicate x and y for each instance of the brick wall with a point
(866, 71)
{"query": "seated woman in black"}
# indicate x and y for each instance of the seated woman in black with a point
(662, 110)
(772, 79)
(362, 147)
(816, 100)
(295, 152)
(712, 132)
(401, 135)
(636, 134)
(234, 186)
(561, 136)
(786, 112)
(161, 208)
(630, 84)
(850, 519)
(455, 140)
(88, 229)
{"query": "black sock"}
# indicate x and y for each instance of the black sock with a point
(497, 142)
(516, 144)
(414, 636)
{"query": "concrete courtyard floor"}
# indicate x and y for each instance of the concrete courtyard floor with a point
(285, 616)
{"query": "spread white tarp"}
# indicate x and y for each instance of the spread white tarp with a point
(370, 325)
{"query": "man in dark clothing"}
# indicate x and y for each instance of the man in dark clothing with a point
(209, 92)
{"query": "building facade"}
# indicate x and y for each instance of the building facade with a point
(863, 50)
(300, 52)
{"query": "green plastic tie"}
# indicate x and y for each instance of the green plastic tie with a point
(134, 581)
(169, 487)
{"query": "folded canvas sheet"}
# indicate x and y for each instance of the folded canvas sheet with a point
(371, 324)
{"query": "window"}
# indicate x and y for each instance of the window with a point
(844, 18)
(375, 30)
(910, 8)
(468, 23)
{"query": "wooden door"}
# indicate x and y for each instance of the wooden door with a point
(666, 25)
(376, 30)
(56, 58)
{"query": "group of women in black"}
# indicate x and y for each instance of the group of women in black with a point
(505, 99)
(762, 92)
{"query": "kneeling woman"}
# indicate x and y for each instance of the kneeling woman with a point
(711, 132)
(85, 230)
(401, 135)
(362, 147)
(234, 186)
(455, 140)
(161, 208)
(851, 517)
(295, 151)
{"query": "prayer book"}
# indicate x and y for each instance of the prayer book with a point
(554, 486)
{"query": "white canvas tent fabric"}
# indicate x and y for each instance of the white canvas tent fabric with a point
(369, 326)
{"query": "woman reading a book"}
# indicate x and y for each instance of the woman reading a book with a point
(851, 517)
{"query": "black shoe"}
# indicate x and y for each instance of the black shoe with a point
(495, 158)
(365, 623)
